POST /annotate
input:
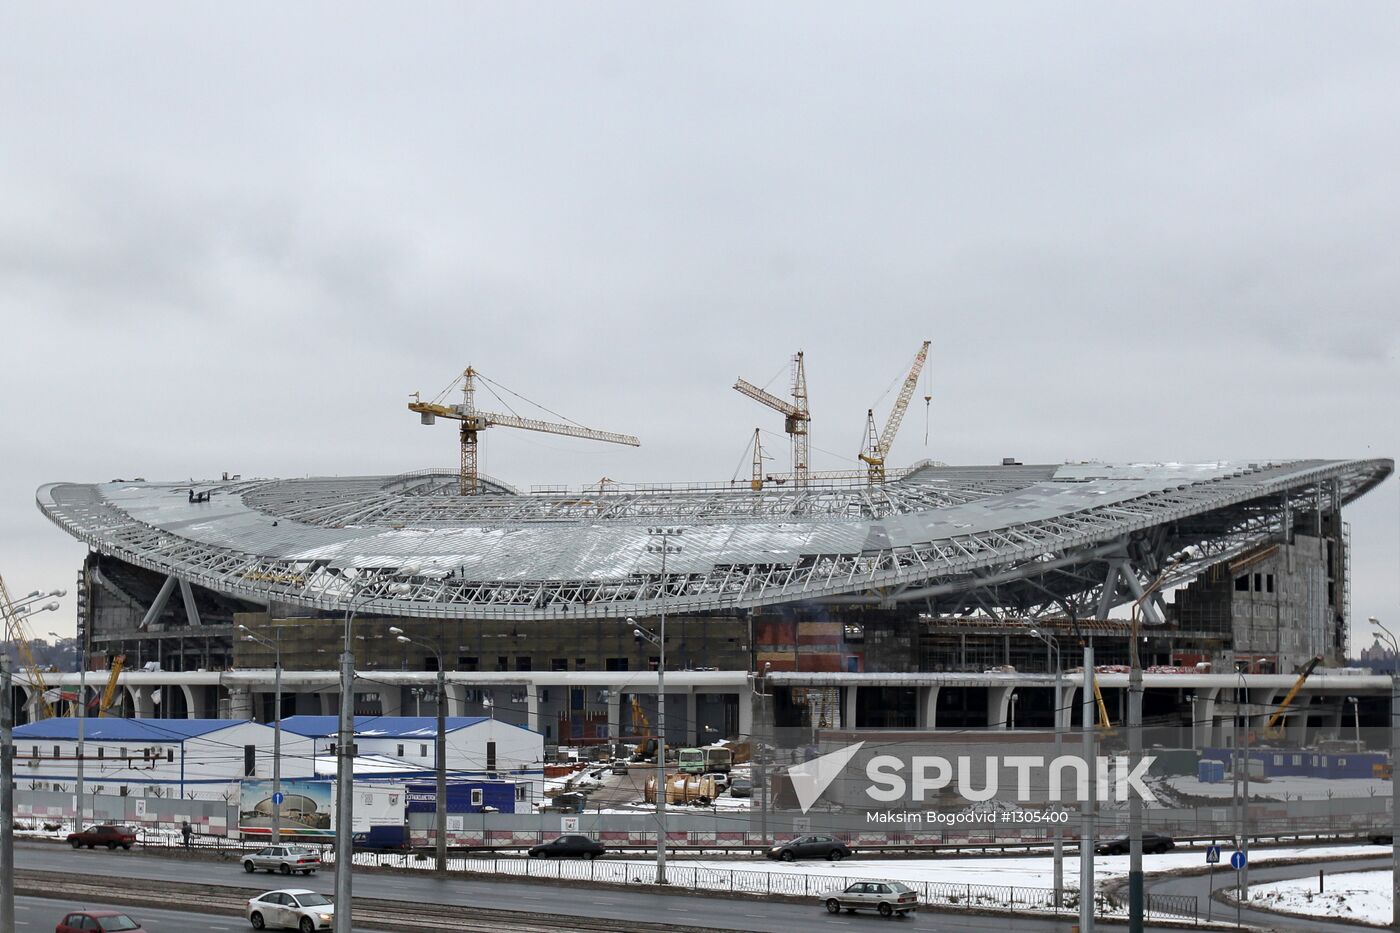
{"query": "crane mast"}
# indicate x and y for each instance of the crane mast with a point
(796, 418)
(877, 444)
(473, 421)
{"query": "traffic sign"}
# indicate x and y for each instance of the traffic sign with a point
(277, 799)
(1212, 854)
(1237, 861)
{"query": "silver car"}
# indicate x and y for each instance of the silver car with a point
(890, 898)
(299, 909)
(286, 859)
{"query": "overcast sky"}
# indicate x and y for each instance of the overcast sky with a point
(237, 236)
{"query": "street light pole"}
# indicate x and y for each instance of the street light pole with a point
(1053, 644)
(276, 646)
(440, 752)
(7, 799)
(1136, 894)
(81, 650)
(1086, 835)
(1394, 754)
(345, 772)
(665, 548)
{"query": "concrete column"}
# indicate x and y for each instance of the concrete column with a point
(240, 703)
(532, 707)
(927, 714)
(192, 710)
(848, 706)
(1064, 705)
(745, 714)
(1203, 718)
(391, 701)
(614, 713)
(998, 706)
(329, 703)
(692, 729)
(456, 699)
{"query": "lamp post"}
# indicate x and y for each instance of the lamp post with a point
(81, 651)
(440, 847)
(1242, 781)
(276, 645)
(1053, 645)
(7, 776)
(662, 545)
(345, 765)
(1394, 752)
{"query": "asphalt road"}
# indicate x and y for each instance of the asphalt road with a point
(41, 915)
(620, 904)
(1200, 885)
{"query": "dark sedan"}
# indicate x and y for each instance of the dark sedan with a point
(568, 847)
(827, 847)
(1151, 842)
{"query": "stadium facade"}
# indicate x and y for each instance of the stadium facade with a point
(951, 572)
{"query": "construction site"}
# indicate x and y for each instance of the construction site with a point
(809, 589)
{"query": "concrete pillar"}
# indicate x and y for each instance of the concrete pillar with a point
(614, 713)
(1203, 718)
(192, 710)
(143, 708)
(998, 706)
(927, 714)
(692, 729)
(1064, 706)
(745, 714)
(456, 699)
(848, 706)
(391, 701)
(532, 707)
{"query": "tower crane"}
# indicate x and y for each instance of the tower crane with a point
(18, 632)
(797, 419)
(877, 444)
(474, 421)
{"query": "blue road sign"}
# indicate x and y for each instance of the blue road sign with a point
(1212, 854)
(1237, 861)
(277, 798)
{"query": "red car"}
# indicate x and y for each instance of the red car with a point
(107, 834)
(98, 921)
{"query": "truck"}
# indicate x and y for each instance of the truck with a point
(713, 759)
(382, 839)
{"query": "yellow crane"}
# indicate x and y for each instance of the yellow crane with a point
(1273, 731)
(797, 419)
(17, 632)
(111, 691)
(877, 445)
(474, 421)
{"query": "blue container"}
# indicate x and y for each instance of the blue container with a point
(1210, 771)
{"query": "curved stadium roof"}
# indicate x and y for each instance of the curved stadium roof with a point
(1022, 536)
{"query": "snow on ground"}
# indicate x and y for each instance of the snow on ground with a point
(1358, 895)
(747, 873)
(1284, 788)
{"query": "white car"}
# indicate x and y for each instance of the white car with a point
(890, 898)
(294, 908)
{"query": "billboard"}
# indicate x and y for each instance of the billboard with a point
(305, 808)
(308, 807)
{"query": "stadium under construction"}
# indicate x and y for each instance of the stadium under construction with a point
(930, 598)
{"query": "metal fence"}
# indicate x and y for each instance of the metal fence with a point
(681, 876)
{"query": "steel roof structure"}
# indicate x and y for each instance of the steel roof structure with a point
(951, 540)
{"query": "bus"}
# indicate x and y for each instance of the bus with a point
(714, 759)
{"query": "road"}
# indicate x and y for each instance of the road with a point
(41, 914)
(620, 904)
(1200, 886)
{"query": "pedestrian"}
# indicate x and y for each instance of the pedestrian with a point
(185, 831)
